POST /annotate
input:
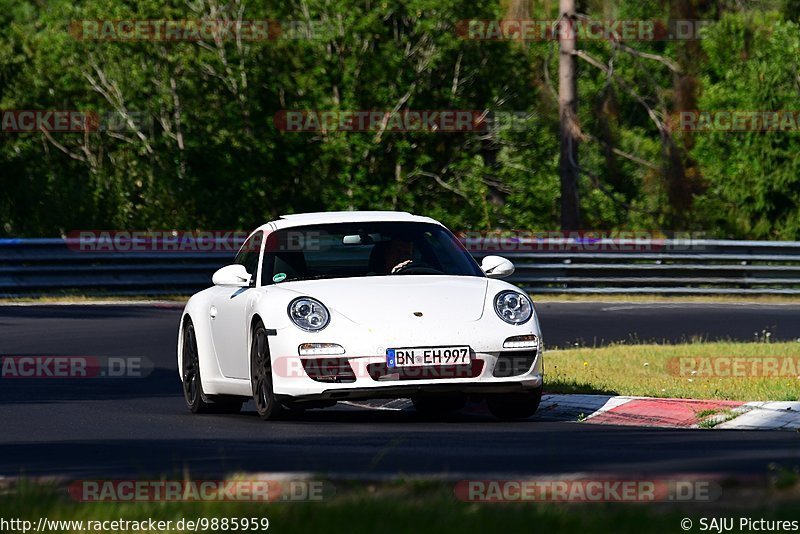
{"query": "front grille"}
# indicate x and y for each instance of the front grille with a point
(337, 370)
(513, 363)
(380, 372)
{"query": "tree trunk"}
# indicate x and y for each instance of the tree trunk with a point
(567, 109)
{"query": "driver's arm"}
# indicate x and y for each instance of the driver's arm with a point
(400, 266)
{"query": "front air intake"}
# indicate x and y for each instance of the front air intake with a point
(513, 363)
(332, 370)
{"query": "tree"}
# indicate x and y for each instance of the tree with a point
(569, 132)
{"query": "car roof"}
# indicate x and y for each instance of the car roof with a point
(333, 217)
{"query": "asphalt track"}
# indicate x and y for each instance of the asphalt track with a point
(119, 427)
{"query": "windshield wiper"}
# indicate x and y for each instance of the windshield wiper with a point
(314, 277)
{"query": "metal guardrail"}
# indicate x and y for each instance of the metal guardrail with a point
(581, 266)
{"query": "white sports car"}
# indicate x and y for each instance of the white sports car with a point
(323, 307)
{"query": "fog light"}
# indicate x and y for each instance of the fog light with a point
(522, 342)
(320, 349)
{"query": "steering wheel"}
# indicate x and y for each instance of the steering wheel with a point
(417, 268)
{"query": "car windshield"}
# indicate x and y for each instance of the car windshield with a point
(364, 249)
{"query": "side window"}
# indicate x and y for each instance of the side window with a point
(248, 255)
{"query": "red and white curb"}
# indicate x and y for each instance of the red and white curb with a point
(674, 413)
(771, 415)
(645, 412)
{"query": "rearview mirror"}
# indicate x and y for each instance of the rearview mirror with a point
(232, 275)
(352, 240)
(497, 267)
(360, 239)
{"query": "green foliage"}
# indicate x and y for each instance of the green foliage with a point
(753, 63)
(200, 148)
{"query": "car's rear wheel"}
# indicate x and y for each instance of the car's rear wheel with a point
(438, 405)
(511, 406)
(267, 405)
(196, 399)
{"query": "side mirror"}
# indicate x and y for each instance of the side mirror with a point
(232, 275)
(497, 267)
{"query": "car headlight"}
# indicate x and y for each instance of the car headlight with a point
(513, 307)
(308, 314)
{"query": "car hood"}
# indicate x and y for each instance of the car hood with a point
(375, 299)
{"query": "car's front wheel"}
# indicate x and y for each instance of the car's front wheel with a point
(267, 405)
(511, 406)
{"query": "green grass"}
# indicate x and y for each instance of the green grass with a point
(712, 418)
(413, 507)
(655, 371)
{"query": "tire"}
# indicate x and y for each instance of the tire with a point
(196, 399)
(267, 405)
(438, 405)
(511, 406)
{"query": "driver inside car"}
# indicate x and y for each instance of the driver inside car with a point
(398, 255)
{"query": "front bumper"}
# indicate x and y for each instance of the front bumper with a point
(410, 390)
(362, 371)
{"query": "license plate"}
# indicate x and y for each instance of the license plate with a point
(421, 356)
